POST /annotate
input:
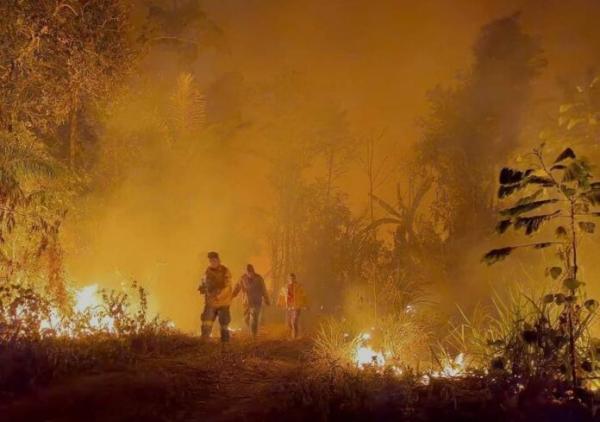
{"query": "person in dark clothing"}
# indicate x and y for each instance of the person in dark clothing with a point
(253, 290)
(216, 288)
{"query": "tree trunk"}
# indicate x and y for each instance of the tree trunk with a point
(572, 349)
(73, 138)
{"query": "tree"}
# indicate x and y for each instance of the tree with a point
(58, 57)
(475, 124)
(563, 193)
(33, 200)
(183, 27)
(295, 136)
(376, 170)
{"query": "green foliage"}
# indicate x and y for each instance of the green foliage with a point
(533, 223)
(499, 254)
(35, 194)
(550, 339)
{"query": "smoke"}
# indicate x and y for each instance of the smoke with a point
(185, 167)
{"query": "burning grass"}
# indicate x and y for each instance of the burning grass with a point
(41, 340)
(345, 372)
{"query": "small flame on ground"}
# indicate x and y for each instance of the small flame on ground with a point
(365, 356)
(452, 369)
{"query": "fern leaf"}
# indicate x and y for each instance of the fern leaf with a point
(503, 225)
(530, 198)
(540, 180)
(523, 208)
(507, 190)
(532, 224)
(496, 255)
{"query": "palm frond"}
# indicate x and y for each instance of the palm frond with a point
(386, 206)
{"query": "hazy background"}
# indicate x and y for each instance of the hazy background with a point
(270, 74)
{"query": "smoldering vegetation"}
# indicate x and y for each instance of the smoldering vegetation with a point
(137, 136)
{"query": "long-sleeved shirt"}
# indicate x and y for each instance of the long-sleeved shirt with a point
(217, 283)
(253, 290)
(292, 296)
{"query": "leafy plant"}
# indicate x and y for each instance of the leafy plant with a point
(34, 197)
(562, 192)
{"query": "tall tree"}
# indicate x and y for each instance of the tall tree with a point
(57, 57)
(474, 125)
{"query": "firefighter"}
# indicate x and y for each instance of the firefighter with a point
(293, 299)
(216, 288)
(253, 289)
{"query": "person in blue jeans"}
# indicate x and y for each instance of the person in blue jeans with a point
(254, 292)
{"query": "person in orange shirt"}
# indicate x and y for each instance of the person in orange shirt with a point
(217, 291)
(293, 299)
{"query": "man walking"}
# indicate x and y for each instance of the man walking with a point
(253, 289)
(216, 288)
(293, 299)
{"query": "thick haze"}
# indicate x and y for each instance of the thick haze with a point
(375, 60)
(378, 59)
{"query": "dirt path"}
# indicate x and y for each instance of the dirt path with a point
(200, 383)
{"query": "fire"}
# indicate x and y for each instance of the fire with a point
(86, 298)
(453, 368)
(366, 356)
(87, 301)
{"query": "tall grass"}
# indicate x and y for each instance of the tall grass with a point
(524, 337)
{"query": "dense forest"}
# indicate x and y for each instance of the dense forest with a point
(441, 216)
